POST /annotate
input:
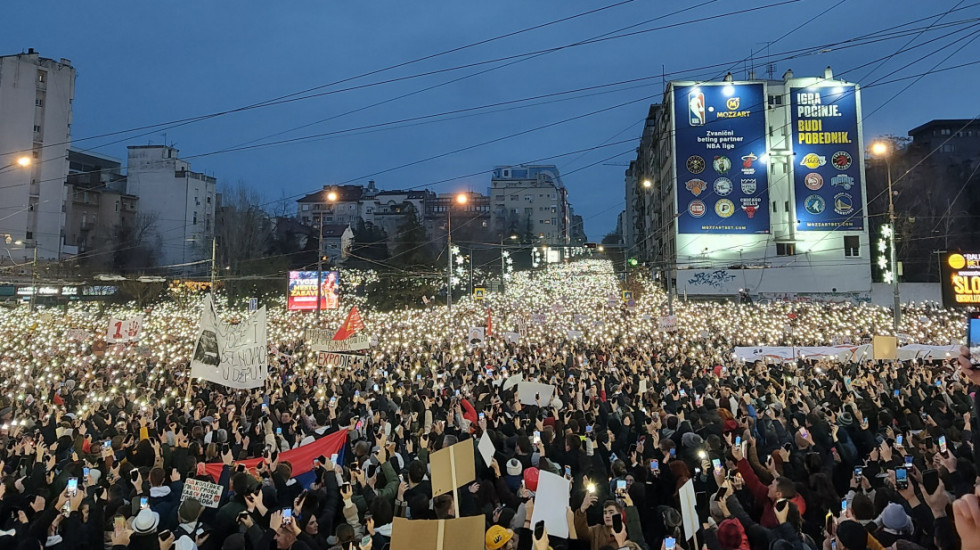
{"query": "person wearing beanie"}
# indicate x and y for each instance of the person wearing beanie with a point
(188, 522)
(851, 535)
(895, 524)
(731, 535)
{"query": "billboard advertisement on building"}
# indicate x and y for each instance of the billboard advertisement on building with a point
(720, 143)
(961, 279)
(827, 158)
(301, 293)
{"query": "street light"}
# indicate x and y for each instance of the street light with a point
(460, 199)
(883, 150)
(24, 161)
(647, 184)
(331, 198)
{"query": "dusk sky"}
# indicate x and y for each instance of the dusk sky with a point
(143, 63)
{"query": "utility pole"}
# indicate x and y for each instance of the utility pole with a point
(449, 253)
(891, 220)
(214, 263)
(471, 271)
(319, 272)
(34, 279)
(503, 265)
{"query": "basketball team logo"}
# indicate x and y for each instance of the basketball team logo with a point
(723, 187)
(841, 160)
(813, 181)
(696, 208)
(695, 164)
(814, 204)
(724, 208)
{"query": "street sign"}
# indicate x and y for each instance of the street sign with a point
(627, 295)
(479, 293)
(253, 304)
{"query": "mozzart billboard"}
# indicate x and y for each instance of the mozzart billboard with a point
(720, 142)
(826, 153)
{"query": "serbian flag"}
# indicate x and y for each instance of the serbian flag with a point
(489, 323)
(351, 326)
(301, 458)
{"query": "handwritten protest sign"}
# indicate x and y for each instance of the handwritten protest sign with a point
(236, 356)
(208, 494)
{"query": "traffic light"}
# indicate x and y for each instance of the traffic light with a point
(633, 262)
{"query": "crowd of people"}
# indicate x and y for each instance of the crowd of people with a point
(99, 441)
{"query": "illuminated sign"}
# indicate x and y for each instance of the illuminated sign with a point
(961, 279)
(722, 175)
(301, 293)
(826, 174)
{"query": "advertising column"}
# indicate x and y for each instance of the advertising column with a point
(720, 145)
(827, 162)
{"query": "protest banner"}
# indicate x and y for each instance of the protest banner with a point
(689, 510)
(528, 391)
(77, 334)
(208, 494)
(322, 340)
(438, 534)
(668, 323)
(452, 467)
(338, 360)
(236, 356)
(885, 348)
(553, 490)
(476, 335)
(486, 448)
(123, 331)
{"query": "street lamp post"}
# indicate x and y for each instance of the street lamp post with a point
(461, 199)
(503, 263)
(331, 198)
(884, 151)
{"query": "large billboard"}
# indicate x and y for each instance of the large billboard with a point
(827, 158)
(961, 279)
(301, 294)
(720, 146)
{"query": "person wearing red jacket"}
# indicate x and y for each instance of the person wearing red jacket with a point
(780, 488)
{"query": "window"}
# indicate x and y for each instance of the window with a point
(37, 128)
(30, 235)
(554, 221)
(948, 148)
(39, 102)
(117, 206)
(529, 198)
(515, 197)
(529, 212)
(306, 208)
(195, 218)
(944, 132)
(774, 206)
(852, 245)
(786, 249)
(42, 76)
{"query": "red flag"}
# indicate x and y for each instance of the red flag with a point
(351, 326)
(489, 323)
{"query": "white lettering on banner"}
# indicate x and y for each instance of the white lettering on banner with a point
(338, 360)
(208, 494)
(124, 331)
(236, 356)
(322, 340)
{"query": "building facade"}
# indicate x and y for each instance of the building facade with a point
(36, 97)
(754, 185)
(98, 209)
(532, 202)
(179, 202)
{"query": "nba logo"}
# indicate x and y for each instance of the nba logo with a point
(696, 102)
